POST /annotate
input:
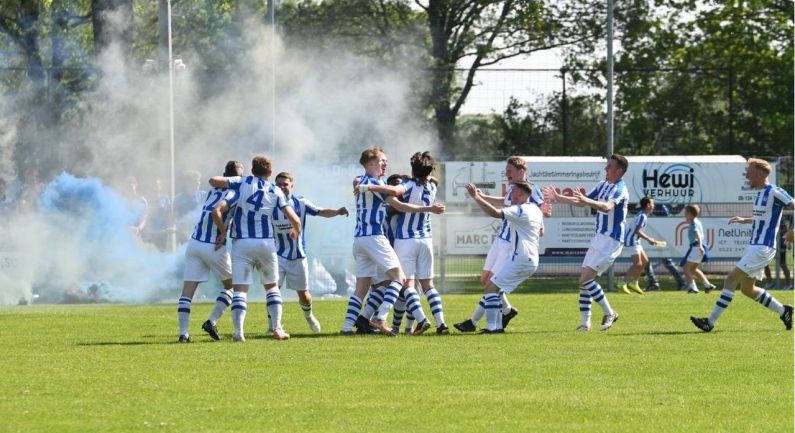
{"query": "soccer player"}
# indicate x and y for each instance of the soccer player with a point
(525, 222)
(515, 170)
(697, 253)
(413, 243)
(640, 260)
(201, 257)
(609, 199)
(770, 201)
(371, 248)
(253, 246)
(293, 266)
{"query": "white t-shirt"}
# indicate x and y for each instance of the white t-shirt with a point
(525, 222)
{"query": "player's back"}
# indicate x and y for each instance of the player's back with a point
(525, 222)
(205, 230)
(768, 208)
(256, 202)
(631, 237)
(415, 225)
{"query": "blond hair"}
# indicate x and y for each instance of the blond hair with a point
(761, 165)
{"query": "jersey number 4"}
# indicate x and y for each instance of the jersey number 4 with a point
(256, 199)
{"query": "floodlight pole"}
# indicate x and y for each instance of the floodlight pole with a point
(272, 23)
(171, 122)
(609, 126)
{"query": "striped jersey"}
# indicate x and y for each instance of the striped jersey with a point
(536, 197)
(370, 209)
(205, 230)
(611, 223)
(255, 205)
(390, 224)
(768, 207)
(631, 238)
(525, 222)
(287, 247)
(415, 225)
(692, 229)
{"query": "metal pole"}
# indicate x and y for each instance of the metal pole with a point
(171, 122)
(611, 272)
(565, 113)
(272, 23)
(731, 108)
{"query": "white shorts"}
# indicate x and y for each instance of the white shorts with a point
(635, 250)
(498, 253)
(416, 257)
(695, 256)
(754, 260)
(371, 253)
(295, 273)
(248, 254)
(201, 258)
(602, 253)
(512, 273)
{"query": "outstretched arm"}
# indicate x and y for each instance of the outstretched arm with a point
(330, 213)
(601, 206)
(395, 190)
(435, 208)
(219, 182)
(740, 220)
(552, 196)
(482, 202)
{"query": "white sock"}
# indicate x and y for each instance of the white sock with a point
(721, 304)
(222, 302)
(493, 313)
(183, 314)
(273, 300)
(597, 295)
(390, 297)
(435, 302)
(306, 308)
(506, 306)
(585, 306)
(414, 305)
(239, 307)
(480, 310)
(770, 302)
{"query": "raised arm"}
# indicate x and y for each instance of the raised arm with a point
(487, 207)
(601, 206)
(552, 195)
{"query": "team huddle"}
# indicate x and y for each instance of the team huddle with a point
(393, 248)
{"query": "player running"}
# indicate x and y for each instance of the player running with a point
(769, 204)
(609, 199)
(632, 238)
(201, 257)
(293, 266)
(253, 246)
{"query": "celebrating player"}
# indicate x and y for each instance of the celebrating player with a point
(201, 257)
(292, 252)
(634, 234)
(770, 201)
(253, 245)
(370, 247)
(609, 199)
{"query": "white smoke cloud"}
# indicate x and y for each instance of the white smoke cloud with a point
(329, 106)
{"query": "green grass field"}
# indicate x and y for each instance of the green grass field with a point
(117, 368)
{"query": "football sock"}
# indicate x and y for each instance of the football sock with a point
(390, 297)
(506, 306)
(414, 305)
(183, 314)
(721, 304)
(770, 302)
(239, 307)
(273, 300)
(352, 312)
(585, 306)
(435, 302)
(595, 290)
(222, 302)
(397, 317)
(480, 310)
(493, 313)
(374, 300)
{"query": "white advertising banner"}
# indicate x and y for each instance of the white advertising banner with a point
(466, 235)
(667, 179)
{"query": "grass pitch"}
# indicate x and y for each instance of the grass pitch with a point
(118, 368)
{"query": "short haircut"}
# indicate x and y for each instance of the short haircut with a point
(761, 165)
(622, 161)
(261, 166)
(285, 175)
(524, 186)
(369, 155)
(422, 164)
(518, 162)
(693, 209)
(233, 168)
(395, 179)
(644, 202)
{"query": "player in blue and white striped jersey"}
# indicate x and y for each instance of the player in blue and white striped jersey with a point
(201, 257)
(636, 232)
(293, 266)
(525, 222)
(769, 205)
(371, 249)
(610, 200)
(413, 242)
(515, 170)
(697, 253)
(253, 246)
